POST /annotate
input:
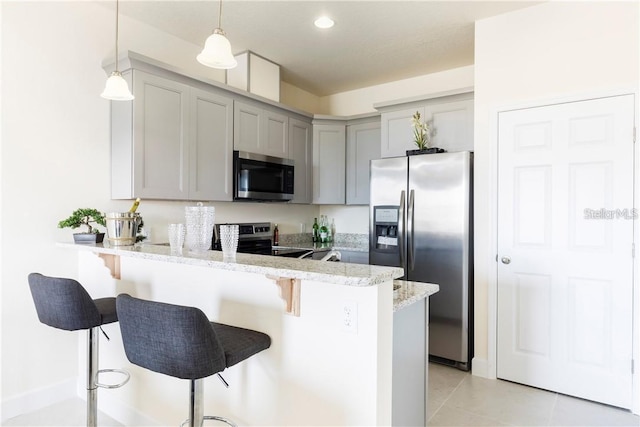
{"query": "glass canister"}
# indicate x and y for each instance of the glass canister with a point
(199, 227)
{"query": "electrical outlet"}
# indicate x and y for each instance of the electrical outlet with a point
(349, 314)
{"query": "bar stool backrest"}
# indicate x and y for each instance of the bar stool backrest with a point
(170, 339)
(63, 303)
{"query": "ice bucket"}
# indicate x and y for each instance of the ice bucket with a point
(122, 228)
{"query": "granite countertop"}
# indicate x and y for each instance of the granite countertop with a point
(331, 272)
(411, 292)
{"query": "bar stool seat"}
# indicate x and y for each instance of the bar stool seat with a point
(64, 304)
(181, 342)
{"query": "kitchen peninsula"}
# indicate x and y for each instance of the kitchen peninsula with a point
(331, 326)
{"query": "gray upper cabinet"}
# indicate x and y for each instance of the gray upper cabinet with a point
(363, 145)
(450, 118)
(260, 130)
(329, 142)
(246, 128)
(276, 127)
(211, 149)
(171, 142)
(301, 151)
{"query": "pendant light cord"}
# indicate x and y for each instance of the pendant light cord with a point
(117, 15)
(220, 16)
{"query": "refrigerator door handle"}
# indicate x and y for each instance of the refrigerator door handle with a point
(401, 227)
(411, 249)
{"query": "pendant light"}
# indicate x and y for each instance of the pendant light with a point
(217, 49)
(117, 88)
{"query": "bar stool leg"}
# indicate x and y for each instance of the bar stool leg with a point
(92, 377)
(196, 410)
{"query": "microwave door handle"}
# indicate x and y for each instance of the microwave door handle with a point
(410, 241)
(401, 227)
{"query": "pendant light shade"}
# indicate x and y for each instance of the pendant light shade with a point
(117, 88)
(217, 49)
(217, 52)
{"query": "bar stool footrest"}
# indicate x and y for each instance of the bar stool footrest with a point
(117, 371)
(212, 417)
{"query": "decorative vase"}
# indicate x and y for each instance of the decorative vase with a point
(432, 150)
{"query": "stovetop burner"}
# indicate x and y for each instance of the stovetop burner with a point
(255, 238)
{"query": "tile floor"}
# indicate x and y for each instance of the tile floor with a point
(456, 398)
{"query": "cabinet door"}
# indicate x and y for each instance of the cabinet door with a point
(301, 151)
(246, 128)
(161, 149)
(329, 164)
(363, 145)
(275, 134)
(452, 124)
(211, 150)
(397, 132)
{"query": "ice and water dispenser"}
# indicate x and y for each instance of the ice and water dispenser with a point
(385, 220)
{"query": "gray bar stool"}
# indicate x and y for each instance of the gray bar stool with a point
(181, 342)
(65, 304)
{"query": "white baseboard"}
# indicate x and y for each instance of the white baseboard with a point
(38, 399)
(480, 368)
(122, 412)
(70, 389)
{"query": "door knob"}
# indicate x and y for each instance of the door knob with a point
(506, 260)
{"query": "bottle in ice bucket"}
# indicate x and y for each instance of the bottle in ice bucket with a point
(135, 205)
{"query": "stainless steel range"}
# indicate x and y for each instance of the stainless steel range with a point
(256, 238)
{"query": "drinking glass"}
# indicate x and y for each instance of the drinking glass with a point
(176, 237)
(229, 240)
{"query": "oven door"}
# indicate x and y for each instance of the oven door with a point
(259, 177)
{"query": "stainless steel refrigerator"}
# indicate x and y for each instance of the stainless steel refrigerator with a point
(421, 219)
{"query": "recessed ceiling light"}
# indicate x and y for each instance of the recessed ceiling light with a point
(323, 22)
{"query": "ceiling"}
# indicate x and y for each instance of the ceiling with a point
(372, 42)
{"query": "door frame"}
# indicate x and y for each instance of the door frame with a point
(489, 369)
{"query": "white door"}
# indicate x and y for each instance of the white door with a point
(565, 235)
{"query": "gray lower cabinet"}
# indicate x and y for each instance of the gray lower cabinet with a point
(410, 365)
(329, 142)
(301, 151)
(355, 257)
(173, 142)
(260, 130)
(363, 145)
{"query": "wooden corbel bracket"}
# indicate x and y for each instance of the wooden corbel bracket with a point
(290, 293)
(112, 262)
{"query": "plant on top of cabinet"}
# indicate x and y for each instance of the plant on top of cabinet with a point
(85, 217)
(421, 132)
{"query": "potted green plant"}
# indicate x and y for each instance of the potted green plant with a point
(85, 217)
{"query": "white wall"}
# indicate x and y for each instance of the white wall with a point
(349, 219)
(362, 100)
(55, 158)
(299, 98)
(546, 52)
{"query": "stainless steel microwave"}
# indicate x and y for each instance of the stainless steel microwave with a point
(260, 177)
